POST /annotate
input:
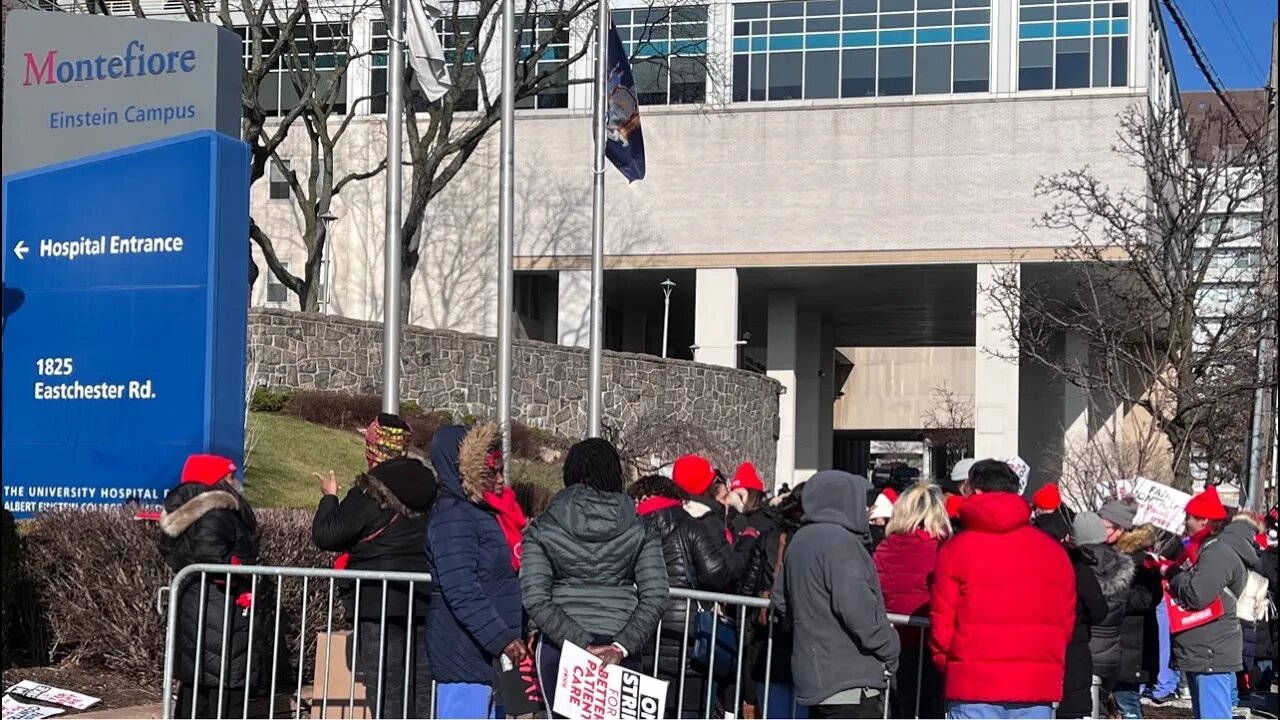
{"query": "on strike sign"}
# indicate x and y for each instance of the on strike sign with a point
(587, 690)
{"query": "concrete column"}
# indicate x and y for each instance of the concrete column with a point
(808, 389)
(827, 396)
(781, 366)
(1075, 400)
(715, 321)
(995, 380)
(573, 314)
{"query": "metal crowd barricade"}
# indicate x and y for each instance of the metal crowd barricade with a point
(727, 613)
(721, 607)
(210, 575)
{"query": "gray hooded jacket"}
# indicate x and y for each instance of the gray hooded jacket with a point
(1221, 571)
(591, 569)
(829, 591)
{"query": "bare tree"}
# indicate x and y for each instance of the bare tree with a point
(550, 36)
(1158, 281)
(948, 423)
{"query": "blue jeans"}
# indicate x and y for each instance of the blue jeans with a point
(1013, 711)
(1128, 700)
(1211, 694)
(458, 701)
(1167, 681)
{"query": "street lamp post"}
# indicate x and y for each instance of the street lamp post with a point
(326, 260)
(667, 287)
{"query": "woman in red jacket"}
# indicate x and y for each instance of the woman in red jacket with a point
(904, 561)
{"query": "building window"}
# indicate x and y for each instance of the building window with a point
(668, 50)
(453, 32)
(278, 183)
(277, 293)
(547, 34)
(1069, 44)
(322, 49)
(813, 49)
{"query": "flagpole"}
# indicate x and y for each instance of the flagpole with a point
(391, 299)
(595, 391)
(506, 220)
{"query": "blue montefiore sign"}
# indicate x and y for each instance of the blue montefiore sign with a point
(126, 304)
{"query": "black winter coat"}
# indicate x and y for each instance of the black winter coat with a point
(210, 525)
(383, 528)
(694, 561)
(1115, 576)
(1267, 641)
(591, 568)
(1091, 608)
(1139, 630)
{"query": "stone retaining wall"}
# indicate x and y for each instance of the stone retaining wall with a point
(732, 411)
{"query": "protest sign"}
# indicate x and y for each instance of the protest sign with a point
(50, 694)
(14, 710)
(588, 690)
(1158, 504)
(1021, 467)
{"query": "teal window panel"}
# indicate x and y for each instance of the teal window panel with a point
(897, 37)
(1073, 29)
(741, 44)
(1101, 27)
(786, 42)
(823, 40)
(973, 34)
(649, 49)
(859, 39)
(933, 35)
(1119, 27)
(759, 44)
(1035, 31)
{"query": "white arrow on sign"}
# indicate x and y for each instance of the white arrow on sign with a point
(21, 250)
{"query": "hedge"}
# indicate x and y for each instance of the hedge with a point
(94, 576)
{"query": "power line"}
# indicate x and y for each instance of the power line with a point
(1198, 54)
(1237, 36)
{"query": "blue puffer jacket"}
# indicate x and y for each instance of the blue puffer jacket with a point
(475, 608)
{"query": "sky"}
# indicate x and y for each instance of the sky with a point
(1236, 37)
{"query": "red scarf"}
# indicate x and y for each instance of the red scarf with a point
(649, 506)
(1194, 543)
(512, 521)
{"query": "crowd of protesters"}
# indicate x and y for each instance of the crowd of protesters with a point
(1014, 607)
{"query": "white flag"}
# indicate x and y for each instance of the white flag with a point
(426, 54)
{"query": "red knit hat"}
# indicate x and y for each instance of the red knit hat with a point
(694, 474)
(746, 478)
(206, 469)
(1047, 498)
(953, 505)
(1207, 506)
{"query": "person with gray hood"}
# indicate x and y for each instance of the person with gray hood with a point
(828, 591)
(592, 573)
(1212, 653)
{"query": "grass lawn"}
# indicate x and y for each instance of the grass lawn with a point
(287, 451)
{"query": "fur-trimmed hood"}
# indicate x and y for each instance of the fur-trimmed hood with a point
(1139, 539)
(473, 461)
(1113, 570)
(176, 521)
(403, 486)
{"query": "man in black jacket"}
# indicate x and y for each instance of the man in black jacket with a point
(381, 525)
(207, 521)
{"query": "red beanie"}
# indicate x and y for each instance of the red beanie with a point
(206, 469)
(746, 478)
(1207, 506)
(953, 505)
(1047, 498)
(693, 474)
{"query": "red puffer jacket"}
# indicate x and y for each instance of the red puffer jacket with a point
(905, 564)
(1002, 606)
